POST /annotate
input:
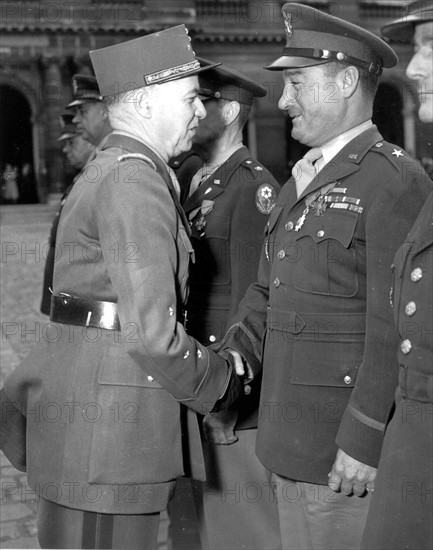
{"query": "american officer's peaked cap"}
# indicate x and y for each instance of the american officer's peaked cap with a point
(225, 83)
(68, 128)
(314, 38)
(152, 59)
(402, 29)
(85, 90)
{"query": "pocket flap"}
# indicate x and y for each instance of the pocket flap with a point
(331, 364)
(118, 369)
(338, 224)
(217, 226)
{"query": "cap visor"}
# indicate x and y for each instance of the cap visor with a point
(402, 29)
(66, 136)
(78, 102)
(286, 62)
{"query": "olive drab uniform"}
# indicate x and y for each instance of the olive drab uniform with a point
(400, 515)
(119, 389)
(320, 310)
(227, 214)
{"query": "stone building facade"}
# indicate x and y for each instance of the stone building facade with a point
(44, 43)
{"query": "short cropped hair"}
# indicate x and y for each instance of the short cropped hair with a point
(368, 81)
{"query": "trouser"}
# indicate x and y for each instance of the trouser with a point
(61, 527)
(236, 508)
(313, 517)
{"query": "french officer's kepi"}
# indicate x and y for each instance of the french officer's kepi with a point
(68, 128)
(402, 29)
(85, 90)
(225, 83)
(315, 38)
(152, 59)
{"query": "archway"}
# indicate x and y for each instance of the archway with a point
(16, 141)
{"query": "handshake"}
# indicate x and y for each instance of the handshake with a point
(219, 424)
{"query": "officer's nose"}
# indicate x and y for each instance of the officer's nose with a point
(200, 110)
(416, 67)
(288, 97)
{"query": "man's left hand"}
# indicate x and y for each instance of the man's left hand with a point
(349, 475)
(219, 427)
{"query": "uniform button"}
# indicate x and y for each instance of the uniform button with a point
(416, 274)
(150, 378)
(406, 346)
(281, 254)
(320, 233)
(410, 308)
(289, 226)
(347, 379)
(186, 354)
(212, 338)
(277, 282)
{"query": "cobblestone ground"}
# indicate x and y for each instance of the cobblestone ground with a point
(23, 234)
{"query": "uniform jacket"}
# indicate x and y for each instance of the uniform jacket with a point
(320, 310)
(227, 215)
(47, 286)
(400, 515)
(123, 239)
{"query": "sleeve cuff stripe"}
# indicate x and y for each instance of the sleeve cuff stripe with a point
(366, 419)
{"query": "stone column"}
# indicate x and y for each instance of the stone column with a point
(53, 97)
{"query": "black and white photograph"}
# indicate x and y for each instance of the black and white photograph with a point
(216, 274)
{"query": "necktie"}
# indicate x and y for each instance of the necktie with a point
(197, 180)
(305, 171)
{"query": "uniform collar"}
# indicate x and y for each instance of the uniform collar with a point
(333, 147)
(215, 184)
(131, 144)
(346, 161)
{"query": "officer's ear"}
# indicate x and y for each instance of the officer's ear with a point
(142, 99)
(104, 111)
(231, 112)
(349, 80)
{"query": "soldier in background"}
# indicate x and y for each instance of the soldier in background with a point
(229, 200)
(91, 115)
(401, 511)
(78, 152)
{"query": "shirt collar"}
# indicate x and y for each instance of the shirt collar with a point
(330, 149)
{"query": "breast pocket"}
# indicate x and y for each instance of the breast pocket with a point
(327, 255)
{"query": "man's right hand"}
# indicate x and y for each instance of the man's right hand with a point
(237, 362)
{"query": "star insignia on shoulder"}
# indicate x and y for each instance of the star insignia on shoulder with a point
(397, 153)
